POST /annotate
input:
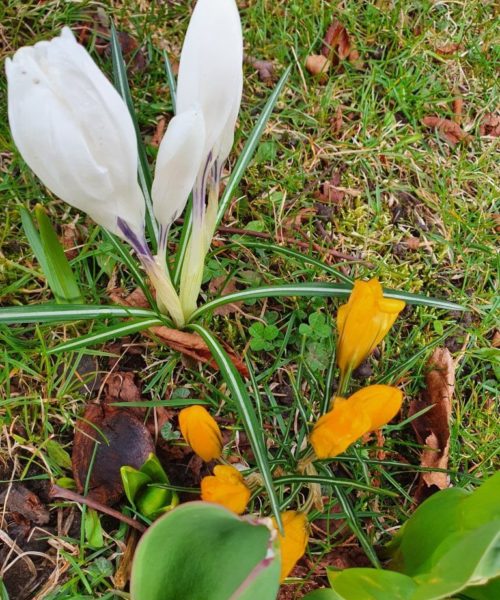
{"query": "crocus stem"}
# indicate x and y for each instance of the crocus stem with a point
(192, 271)
(345, 379)
(166, 296)
(315, 497)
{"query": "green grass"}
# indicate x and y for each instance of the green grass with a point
(405, 183)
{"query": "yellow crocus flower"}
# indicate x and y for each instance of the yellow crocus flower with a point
(363, 323)
(293, 542)
(227, 487)
(366, 410)
(201, 432)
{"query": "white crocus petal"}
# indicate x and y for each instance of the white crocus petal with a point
(210, 69)
(75, 132)
(177, 165)
(226, 138)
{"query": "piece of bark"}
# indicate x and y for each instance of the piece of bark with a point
(433, 427)
(18, 499)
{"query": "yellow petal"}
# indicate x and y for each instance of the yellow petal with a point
(227, 487)
(293, 542)
(380, 403)
(335, 431)
(201, 432)
(363, 322)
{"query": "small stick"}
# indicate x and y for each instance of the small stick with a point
(59, 492)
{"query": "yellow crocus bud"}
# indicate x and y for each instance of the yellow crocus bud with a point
(201, 432)
(363, 323)
(293, 542)
(366, 410)
(227, 487)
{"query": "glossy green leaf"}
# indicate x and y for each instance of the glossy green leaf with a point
(440, 522)
(243, 402)
(61, 313)
(325, 594)
(371, 584)
(152, 467)
(93, 529)
(133, 480)
(145, 179)
(154, 500)
(490, 591)
(50, 254)
(201, 550)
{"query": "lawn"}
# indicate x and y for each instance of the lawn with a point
(347, 174)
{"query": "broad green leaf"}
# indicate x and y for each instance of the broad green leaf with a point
(201, 550)
(65, 313)
(105, 334)
(145, 179)
(371, 584)
(50, 254)
(58, 454)
(93, 529)
(325, 594)
(133, 480)
(152, 467)
(440, 522)
(472, 560)
(154, 500)
(490, 591)
(241, 398)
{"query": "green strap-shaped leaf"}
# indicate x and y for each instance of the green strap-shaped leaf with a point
(103, 335)
(145, 179)
(65, 313)
(314, 289)
(246, 410)
(50, 254)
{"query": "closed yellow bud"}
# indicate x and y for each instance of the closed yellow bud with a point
(227, 487)
(363, 323)
(293, 542)
(366, 410)
(201, 432)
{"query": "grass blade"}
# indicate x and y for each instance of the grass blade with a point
(131, 264)
(103, 335)
(236, 174)
(315, 289)
(145, 179)
(50, 254)
(290, 479)
(171, 81)
(246, 410)
(64, 313)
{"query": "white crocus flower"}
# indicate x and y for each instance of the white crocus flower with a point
(210, 82)
(75, 132)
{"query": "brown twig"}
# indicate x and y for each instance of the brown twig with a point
(59, 492)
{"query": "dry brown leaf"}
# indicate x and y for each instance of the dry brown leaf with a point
(220, 286)
(337, 121)
(264, 68)
(413, 242)
(121, 438)
(337, 41)
(448, 49)
(433, 428)
(458, 105)
(330, 191)
(190, 344)
(318, 65)
(69, 240)
(490, 125)
(159, 131)
(450, 131)
(496, 339)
